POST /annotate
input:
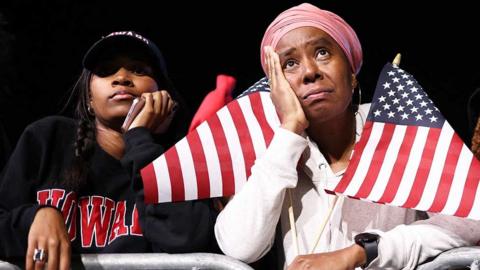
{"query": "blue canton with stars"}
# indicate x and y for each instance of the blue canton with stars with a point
(400, 100)
(260, 86)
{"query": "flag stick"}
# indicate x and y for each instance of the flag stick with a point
(291, 218)
(396, 60)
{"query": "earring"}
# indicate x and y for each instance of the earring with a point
(90, 111)
(356, 98)
(359, 95)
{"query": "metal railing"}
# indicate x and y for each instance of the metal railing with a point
(458, 258)
(190, 261)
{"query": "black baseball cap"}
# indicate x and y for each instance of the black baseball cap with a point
(124, 41)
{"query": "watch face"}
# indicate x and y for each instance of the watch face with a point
(369, 242)
(366, 237)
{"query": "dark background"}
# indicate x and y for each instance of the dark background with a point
(42, 44)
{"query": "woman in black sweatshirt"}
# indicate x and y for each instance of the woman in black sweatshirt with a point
(73, 185)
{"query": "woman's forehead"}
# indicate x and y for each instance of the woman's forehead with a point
(304, 36)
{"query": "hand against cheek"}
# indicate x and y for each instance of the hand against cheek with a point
(287, 105)
(157, 111)
(48, 233)
(343, 259)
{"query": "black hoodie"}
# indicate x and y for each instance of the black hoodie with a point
(107, 215)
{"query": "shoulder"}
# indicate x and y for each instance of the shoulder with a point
(50, 134)
(51, 127)
(364, 108)
(52, 122)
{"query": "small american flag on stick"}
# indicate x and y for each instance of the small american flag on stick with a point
(409, 155)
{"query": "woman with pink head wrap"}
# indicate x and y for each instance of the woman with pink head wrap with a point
(311, 58)
(310, 15)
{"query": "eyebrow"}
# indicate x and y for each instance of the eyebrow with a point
(317, 41)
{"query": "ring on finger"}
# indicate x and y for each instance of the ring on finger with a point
(39, 255)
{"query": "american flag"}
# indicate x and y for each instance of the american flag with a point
(214, 160)
(409, 156)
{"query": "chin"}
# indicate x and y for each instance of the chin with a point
(121, 111)
(319, 114)
(317, 109)
(116, 120)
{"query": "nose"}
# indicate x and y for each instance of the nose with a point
(311, 72)
(122, 77)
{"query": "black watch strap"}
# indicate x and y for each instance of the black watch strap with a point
(369, 242)
(371, 249)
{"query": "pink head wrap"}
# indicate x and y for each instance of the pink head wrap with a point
(310, 15)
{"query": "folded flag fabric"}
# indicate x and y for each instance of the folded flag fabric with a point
(409, 155)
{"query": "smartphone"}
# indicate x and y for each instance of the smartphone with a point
(137, 106)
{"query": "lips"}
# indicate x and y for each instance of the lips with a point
(122, 95)
(316, 94)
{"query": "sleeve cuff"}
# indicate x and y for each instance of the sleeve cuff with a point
(136, 136)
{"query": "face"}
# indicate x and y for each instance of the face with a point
(318, 71)
(115, 83)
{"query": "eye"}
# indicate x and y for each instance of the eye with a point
(141, 70)
(105, 70)
(138, 70)
(322, 54)
(289, 64)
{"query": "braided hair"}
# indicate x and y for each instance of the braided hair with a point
(76, 175)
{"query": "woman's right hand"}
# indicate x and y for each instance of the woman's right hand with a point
(156, 113)
(287, 105)
(48, 232)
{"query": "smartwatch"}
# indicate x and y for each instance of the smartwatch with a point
(369, 242)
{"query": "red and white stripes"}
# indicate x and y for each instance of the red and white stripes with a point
(215, 159)
(423, 168)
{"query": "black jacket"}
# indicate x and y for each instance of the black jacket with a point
(107, 215)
